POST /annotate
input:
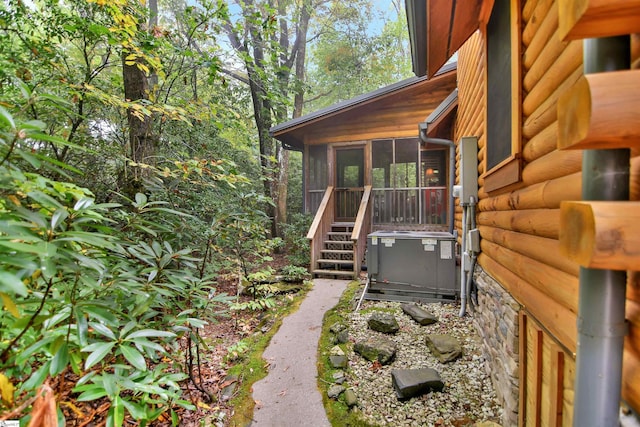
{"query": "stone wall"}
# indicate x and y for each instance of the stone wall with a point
(496, 319)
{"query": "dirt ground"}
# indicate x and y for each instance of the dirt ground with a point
(213, 369)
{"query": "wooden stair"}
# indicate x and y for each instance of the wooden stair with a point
(336, 256)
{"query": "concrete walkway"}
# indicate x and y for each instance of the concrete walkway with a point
(288, 395)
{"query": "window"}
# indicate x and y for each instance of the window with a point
(503, 100)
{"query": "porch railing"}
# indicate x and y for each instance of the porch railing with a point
(348, 202)
(361, 228)
(321, 225)
(416, 205)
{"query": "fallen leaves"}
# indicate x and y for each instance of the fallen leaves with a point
(6, 391)
(44, 412)
(376, 366)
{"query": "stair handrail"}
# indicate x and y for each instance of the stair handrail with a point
(361, 229)
(321, 225)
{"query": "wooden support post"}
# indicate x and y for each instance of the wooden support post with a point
(556, 378)
(603, 235)
(522, 348)
(582, 19)
(601, 111)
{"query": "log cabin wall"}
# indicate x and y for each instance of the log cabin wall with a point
(519, 224)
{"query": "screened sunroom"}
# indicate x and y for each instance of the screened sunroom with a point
(366, 168)
(409, 182)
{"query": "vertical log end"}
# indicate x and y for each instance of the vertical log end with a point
(577, 232)
(569, 13)
(574, 114)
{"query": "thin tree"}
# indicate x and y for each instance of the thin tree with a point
(270, 50)
(137, 77)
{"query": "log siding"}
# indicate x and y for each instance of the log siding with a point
(519, 224)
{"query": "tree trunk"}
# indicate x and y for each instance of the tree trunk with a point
(283, 158)
(141, 143)
(273, 160)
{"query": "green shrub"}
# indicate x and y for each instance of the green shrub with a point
(97, 290)
(296, 242)
(294, 273)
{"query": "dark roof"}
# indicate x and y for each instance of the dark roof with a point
(343, 105)
(438, 124)
(443, 108)
(417, 35)
(437, 29)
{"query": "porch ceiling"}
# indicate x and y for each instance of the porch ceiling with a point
(437, 29)
(390, 112)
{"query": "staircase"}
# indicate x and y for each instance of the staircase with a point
(336, 255)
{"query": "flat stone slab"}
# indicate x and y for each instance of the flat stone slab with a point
(336, 351)
(339, 377)
(419, 314)
(409, 383)
(230, 384)
(338, 362)
(380, 349)
(335, 391)
(342, 337)
(350, 398)
(444, 347)
(383, 322)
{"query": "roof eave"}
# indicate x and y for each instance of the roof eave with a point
(278, 131)
(438, 28)
(416, 23)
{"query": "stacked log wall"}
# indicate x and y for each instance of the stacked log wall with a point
(519, 227)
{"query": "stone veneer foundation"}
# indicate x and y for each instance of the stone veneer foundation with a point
(496, 320)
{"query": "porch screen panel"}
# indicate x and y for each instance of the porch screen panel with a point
(405, 172)
(396, 182)
(382, 159)
(318, 177)
(434, 184)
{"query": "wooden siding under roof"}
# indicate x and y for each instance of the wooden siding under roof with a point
(386, 113)
(449, 23)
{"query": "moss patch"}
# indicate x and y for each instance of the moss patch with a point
(378, 309)
(338, 412)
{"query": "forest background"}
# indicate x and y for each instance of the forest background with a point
(136, 167)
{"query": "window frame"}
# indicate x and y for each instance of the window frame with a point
(508, 171)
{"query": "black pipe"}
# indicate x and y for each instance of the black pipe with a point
(602, 295)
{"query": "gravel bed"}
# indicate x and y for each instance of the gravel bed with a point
(468, 396)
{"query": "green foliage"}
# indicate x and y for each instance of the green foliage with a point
(237, 350)
(240, 232)
(350, 58)
(105, 279)
(294, 273)
(258, 286)
(295, 238)
(96, 290)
